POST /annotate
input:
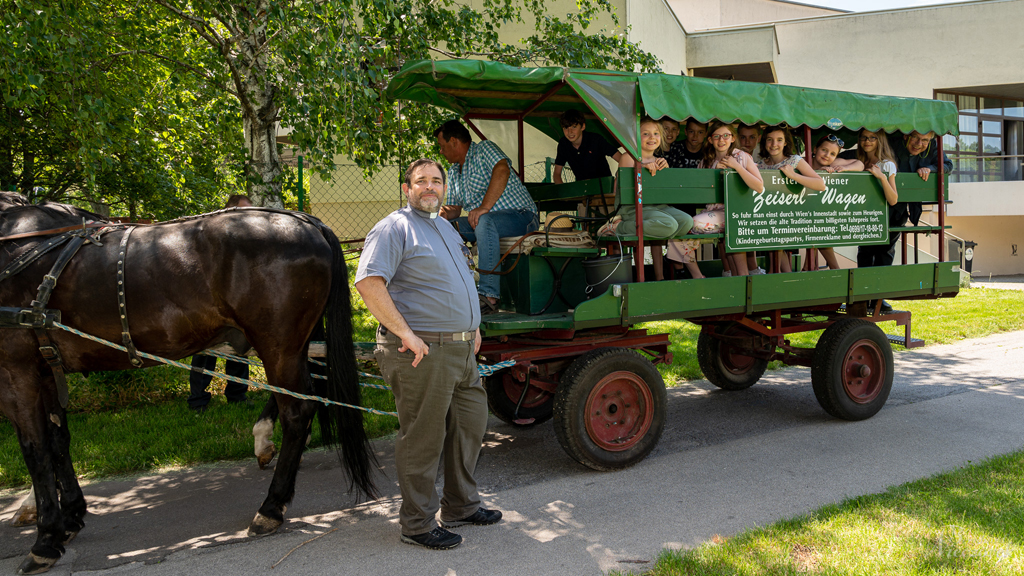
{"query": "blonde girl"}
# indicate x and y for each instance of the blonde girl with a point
(873, 150)
(660, 221)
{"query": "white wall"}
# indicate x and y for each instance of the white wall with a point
(654, 28)
(908, 52)
(704, 14)
(986, 198)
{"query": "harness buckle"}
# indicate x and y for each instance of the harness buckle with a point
(51, 355)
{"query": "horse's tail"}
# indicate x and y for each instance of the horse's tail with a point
(344, 426)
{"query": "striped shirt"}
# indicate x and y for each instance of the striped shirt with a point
(467, 183)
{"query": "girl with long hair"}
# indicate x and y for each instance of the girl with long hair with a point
(720, 152)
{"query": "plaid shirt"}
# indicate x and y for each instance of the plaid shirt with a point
(467, 186)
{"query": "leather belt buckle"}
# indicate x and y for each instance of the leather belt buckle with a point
(463, 336)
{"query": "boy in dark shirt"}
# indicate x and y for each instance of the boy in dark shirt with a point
(585, 152)
(689, 152)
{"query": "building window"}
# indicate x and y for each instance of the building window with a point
(990, 147)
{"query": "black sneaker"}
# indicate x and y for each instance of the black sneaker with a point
(436, 539)
(482, 517)
(886, 307)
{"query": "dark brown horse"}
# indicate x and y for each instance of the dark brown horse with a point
(249, 275)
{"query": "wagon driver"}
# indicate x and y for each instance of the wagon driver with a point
(482, 182)
(415, 279)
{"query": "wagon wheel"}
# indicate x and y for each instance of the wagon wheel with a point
(504, 392)
(724, 364)
(852, 371)
(610, 409)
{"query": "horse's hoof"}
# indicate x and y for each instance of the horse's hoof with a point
(69, 536)
(36, 564)
(262, 525)
(26, 516)
(264, 458)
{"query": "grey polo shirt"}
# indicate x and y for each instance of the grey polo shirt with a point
(426, 271)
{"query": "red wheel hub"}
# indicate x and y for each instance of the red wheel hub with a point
(734, 361)
(863, 371)
(619, 411)
(514, 390)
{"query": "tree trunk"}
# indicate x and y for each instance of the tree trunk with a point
(28, 174)
(264, 166)
(259, 110)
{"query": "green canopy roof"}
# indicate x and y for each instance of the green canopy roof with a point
(492, 90)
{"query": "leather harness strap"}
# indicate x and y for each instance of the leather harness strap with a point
(54, 231)
(126, 338)
(46, 347)
(38, 317)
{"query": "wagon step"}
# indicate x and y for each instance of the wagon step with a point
(902, 341)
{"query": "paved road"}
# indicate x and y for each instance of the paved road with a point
(727, 461)
(1015, 282)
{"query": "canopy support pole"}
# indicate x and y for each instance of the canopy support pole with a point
(522, 151)
(942, 201)
(522, 117)
(812, 253)
(474, 128)
(638, 255)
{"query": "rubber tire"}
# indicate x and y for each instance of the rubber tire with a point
(598, 368)
(503, 405)
(727, 375)
(867, 341)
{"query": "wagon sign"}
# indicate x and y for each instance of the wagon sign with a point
(851, 212)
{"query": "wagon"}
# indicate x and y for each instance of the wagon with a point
(578, 357)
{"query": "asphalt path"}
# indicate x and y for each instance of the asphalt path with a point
(727, 461)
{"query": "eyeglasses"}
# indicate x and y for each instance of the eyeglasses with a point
(834, 138)
(721, 136)
(869, 138)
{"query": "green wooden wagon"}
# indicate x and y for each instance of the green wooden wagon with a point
(579, 360)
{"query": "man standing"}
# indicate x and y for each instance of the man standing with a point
(199, 398)
(585, 152)
(415, 279)
(482, 182)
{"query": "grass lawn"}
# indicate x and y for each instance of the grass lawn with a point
(125, 422)
(969, 521)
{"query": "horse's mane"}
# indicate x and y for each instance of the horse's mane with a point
(14, 204)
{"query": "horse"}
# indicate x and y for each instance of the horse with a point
(246, 276)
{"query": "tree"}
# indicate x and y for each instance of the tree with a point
(320, 68)
(95, 108)
(157, 111)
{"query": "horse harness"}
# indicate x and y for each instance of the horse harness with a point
(38, 317)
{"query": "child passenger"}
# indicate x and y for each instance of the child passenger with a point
(660, 220)
(873, 150)
(720, 152)
(778, 152)
(585, 152)
(826, 159)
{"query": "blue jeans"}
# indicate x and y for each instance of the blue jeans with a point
(494, 225)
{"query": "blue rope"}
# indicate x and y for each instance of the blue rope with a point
(483, 369)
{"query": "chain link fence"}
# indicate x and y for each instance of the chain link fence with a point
(352, 205)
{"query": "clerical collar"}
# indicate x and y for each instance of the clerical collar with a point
(423, 214)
